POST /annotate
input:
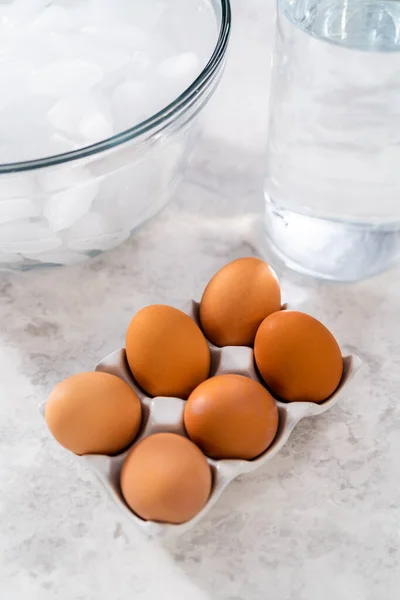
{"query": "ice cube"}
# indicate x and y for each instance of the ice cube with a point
(58, 143)
(89, 45)
(183, 67)
(65, 208)
(110, 58)
(92, 12)
(85, 116)
(54, 179)
(119, 34)
(53, 18)
(127, 194)
(173, 76)
(18, 185)
(17, 208)
(201, 37)
(14, 76)
(140, 63)
(145, 15)
(150, 14)
(90, 225)
(62, 77)
(24, 130)
(96, 127)
(66, 114)
(138, 67)
(95, 232)
(4, 15)
(129, 104)
(23, 11)
(27, 237)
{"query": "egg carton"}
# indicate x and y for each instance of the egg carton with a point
(165, 414)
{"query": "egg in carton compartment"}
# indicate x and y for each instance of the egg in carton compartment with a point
(165, 414)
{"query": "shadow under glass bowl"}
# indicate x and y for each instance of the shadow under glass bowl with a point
(70, 207)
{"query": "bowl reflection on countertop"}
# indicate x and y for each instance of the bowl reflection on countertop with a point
(67, 208)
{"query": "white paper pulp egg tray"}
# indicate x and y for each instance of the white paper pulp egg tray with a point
(166, 415)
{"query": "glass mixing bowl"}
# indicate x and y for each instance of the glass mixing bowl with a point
(64, 209)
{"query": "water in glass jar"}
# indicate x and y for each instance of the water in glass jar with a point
(333, 169)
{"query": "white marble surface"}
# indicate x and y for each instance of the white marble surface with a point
(321, 520)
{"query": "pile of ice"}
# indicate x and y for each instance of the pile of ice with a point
(73, 73)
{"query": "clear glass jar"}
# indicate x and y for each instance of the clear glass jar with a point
(64, 209)
(332, 183)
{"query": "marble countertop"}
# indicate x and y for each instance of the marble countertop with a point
(321, 520)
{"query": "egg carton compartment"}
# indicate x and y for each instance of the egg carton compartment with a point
(165, 414)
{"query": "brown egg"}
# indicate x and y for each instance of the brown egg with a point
(166, 478)
(166, 351)
(298, 357)
(93, 413)
(237, 300)
(231, 416)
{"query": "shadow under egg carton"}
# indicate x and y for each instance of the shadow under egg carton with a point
(166, 415)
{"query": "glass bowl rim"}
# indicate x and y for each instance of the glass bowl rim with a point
(154, 122)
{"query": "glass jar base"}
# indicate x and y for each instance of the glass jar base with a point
(329, 249)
